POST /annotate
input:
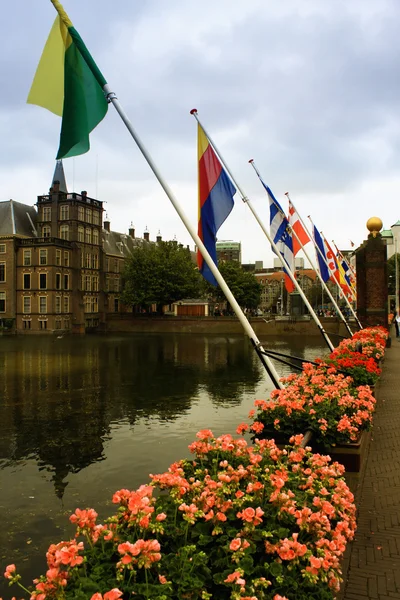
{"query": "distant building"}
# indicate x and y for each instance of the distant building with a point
(392, 239)
(228, 250)
(60, 270)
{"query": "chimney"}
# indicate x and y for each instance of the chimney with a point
(146, 236)
(132, 232)
(107, 226)
(158, 238)
(84, 194)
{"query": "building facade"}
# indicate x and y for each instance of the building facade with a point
(228, 250)
(60, 269)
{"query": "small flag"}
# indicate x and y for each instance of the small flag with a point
(323, 269)
(298, 228)
(68, 83)
(281, 235)
(216, 193)
(351, 244)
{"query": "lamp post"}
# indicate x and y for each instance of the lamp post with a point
(282, 296)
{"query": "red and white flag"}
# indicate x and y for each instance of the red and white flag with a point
(298, 228)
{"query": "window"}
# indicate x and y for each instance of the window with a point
(88, 235)
(26, 304)
(88, 283)
(94, 304)
(107, 264)
(107, 283)
(116, 266)
(81, 213)
(2, 302)
(42, 281)
(96, 219)
(42, 305)
(87, 304)
(66, 304)
(26, 324)
(46, 215)
(66, 258)
(81, 234)
(88, 215)
(116, 305)
(43, 257)
(58, 281)
(27, 258)
(58, 324)
(46, 231)
(66, 282)
(2, 248)
(66, 324)
(64, 212)
(27, 281)
(95, 263)
(64, 232)
(42, 324)
(2, 272)
(88, 261)
(82, 260)
(58, 304)
(95, 283)
(95, 236)
(116, 285)
(58, 258)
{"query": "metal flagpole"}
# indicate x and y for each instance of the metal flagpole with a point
(274, 246)
(343, 258)
(111, 97)
(396, 276)
(319, 251)
(341, 293)
(311, 263)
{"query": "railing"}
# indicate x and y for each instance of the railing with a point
(45, 241)
(73, 196)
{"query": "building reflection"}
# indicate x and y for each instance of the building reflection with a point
(62, 397)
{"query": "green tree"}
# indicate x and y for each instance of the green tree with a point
(159, 274)
(243, 285)
(391, 273)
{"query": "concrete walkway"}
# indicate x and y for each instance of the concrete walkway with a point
(372, 568)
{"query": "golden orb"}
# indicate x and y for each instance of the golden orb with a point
(374, 225)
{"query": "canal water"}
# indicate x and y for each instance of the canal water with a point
(81, 417)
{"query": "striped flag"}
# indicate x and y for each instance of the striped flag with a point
(281, 235)
(216, 193)
(298, 228)
(68, 83)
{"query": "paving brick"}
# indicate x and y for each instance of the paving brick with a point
(373, 565)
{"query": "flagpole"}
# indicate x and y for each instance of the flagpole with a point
(275, 248)
(341, 293)
(343, 258)
(318, 250)
(112, 98)
(310, 261)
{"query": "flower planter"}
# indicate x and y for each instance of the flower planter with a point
(349, 455)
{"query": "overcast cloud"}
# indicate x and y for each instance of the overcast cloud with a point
(308, 88)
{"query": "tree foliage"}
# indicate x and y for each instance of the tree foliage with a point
(391, 273)
(243, 285)
(159, 274)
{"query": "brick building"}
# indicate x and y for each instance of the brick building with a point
(60, 270)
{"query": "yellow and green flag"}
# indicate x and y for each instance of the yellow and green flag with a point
(68, 83)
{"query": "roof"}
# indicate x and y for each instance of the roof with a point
(17, 219)
(120, 244)
(387, 232)
(59, 176)
(191, 301)
(397, 224)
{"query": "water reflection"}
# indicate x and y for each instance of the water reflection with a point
(82, 416)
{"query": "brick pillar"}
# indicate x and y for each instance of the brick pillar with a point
(371, 269)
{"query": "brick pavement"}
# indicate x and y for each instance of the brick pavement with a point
(372, 567)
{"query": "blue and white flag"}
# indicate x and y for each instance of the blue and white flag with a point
(281, 235)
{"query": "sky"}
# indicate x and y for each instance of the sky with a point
(309, 89)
